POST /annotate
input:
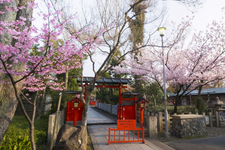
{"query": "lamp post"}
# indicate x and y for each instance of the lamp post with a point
(161, 32)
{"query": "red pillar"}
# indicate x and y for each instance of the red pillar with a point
(141, 117)
(120, 94)
(67, 111)
(120, 110)
(135, 107)
(75, 117)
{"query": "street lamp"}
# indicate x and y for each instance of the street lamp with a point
(161, 33)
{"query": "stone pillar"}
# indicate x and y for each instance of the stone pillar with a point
(152, 126)
(217, 119)
(160, 124)
(168, 121)
(210, 119)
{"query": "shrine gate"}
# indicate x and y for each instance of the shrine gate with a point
(126, 110)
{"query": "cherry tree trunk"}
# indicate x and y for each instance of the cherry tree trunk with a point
(8, 100)
(175, 108)
(41, 105)
(85, 108)
(89, 89)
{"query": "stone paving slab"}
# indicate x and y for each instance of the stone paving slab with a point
(99, 135)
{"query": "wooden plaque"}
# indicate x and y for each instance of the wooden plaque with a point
(126, 124)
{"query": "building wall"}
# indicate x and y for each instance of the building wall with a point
(212, 97)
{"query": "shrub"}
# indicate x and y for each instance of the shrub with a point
(16, 143)
(17, 135)
(202, 106)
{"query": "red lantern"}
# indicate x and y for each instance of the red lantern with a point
(141, 102)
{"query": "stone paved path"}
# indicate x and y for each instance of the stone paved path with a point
(99, 135)
(94, 117)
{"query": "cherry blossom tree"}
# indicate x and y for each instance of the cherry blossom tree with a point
(188, 67)
(36, 72)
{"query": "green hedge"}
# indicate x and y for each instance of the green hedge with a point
(180, 109)
(17, 135)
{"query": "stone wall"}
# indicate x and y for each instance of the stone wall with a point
(188, 126)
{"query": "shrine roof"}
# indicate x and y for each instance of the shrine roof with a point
(106, 80)
(130, 93)
(141, 99)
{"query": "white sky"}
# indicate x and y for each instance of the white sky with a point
(211, 10)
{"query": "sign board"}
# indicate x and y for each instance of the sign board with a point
(126, 124)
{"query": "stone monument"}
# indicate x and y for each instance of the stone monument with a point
(221, 112)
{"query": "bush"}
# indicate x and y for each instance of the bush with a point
(17, 135)
(16, 143)
(180, 109)
(202, 107)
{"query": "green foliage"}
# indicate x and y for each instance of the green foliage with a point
(153, 92)
(200, 104)
(19, 143)
(180, 109)
(72, 86)
(72, 82)
(55, 99)
(138, 85)
(108, 96)
(17, 135)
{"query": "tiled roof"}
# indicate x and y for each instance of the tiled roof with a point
(204, 91)
(130, 93)
(106, 80)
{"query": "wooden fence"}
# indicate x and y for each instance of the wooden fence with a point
(213, 119)
(161, 119)
(125, 136)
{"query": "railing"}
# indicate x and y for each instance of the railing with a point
(127, 136)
